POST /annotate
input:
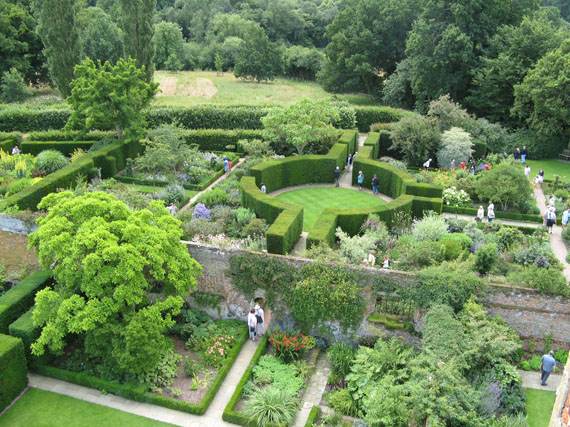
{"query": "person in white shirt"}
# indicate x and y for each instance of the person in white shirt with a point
(263, 188)
(252, 324)
(481, 213)
(550, 218)
(260, 316)
(491, 212)
(527, 171)
(426, 164)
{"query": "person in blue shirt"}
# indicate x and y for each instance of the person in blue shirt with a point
(360, 179)
(565, 218)
(546, 367)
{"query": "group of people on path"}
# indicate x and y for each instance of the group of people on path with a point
(490, 213)
(256, 322)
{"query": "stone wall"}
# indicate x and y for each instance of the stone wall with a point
(15, 225)
(531, 315)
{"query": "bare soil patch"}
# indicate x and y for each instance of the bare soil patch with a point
(202, 87)
(168, 86)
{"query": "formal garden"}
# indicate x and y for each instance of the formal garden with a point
(290, 222)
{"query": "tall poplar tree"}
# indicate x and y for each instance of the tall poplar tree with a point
(58, 29)
(137, 23)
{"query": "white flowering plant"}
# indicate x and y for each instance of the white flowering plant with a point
(454, 197)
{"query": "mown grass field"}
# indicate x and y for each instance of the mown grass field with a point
(539, 404)
(41, 408)
(206, 87)
(315, 200)
(551, 167)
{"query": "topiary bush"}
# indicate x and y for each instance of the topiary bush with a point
(172, 193)
(485, 258)
(50, 161)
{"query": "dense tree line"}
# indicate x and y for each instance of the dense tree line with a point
(405, 52)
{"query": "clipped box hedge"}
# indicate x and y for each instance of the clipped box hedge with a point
(373, 140)
(230, 414)
(385, 144)
(13, 370)
(7, 145)
(366, 116)
(350, 138)
(323, 230)
(138, 392)
(219, 139)
(285, 231)
(24, 119)
(392, 179)
(25, 329)
(498, 214)
(65, 147)
(61, 135)
(20, 298)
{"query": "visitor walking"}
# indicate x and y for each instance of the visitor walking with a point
(375, 184)
(371, 259)
(15, 150)
(517, 154)
(252, 324)
(537, 181)
(453, 165)
(527, 171)
(565, 218)
(547, 366)
(523, 155)
(427, 163)
(386, 261)
(336, 176)
(550, 218)
(491, 212)
(360, 180)
(480, 214)
(463, 165)
(260, 317)
(552, 201)
(263, 188)
(226, 165)
(541, 175)
(348, 162)
(472, 169)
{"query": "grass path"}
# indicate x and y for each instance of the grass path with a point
(316, 199)
(539, 404)
(40, 408)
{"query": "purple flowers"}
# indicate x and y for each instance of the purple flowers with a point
(201, 211)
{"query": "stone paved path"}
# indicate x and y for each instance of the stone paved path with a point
(212, 417)
(212, 185)
(315, 390)
(504, 221)
(531, 379)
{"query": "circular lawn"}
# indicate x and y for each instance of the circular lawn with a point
(315, 199)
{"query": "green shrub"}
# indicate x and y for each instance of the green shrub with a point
(463, 239)
(561, 356)
(508, 237)
(64, 147)
(372, 140)
(341, 356)
(13, 371)
(566, 235)
(485, 258)
(420, 255)
(451, 249)
(215, 196)
(13, 87)
(546, 280)
(190, 367)
(270, 406)
(49, 161)
(20, 298)
(172, 193)
(535, 363)
(525, 365)
(429, 228)
(343, 403)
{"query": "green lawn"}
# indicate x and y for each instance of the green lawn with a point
(539, 404)
(314, 200)
(40, 408)
(551, 167)
(187, 90)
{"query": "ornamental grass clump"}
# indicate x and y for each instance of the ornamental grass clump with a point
(270, 406)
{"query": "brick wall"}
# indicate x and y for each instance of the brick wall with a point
(531, 315)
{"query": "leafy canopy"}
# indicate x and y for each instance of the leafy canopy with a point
(456, 144)
(106, 96)
(105, 261)
(417, 137)
(504, 183)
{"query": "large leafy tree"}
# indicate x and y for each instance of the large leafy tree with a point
(20, 46)
(542, 98)
(301, 124)
(137, 22)
(110, 97)
(367, 40)
(512, 52)
(168, 41)
(59, 31)
(100, 38)
(417, 137)
(258, 58)
(105, 261)
(504, 183)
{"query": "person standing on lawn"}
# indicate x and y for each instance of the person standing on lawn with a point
(527, 171)
(375, 184)
(348, 162)
(541, 175)
(252, 324)
(336, 176)
(517, 154)
(523, 155)
(547, 366)
(491, 212)
(360, 180)
(260, 316)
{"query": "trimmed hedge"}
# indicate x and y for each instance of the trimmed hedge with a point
(20, 298)
(61, 135)
(230, 415)
(392, 179)
(15, 136)
(385, 144)
(218, 139)
(139, 393)
(110, 159)
(424, 204)
(498, 214)
(373, 140)
(65, 147)
(324, 229)
(26, 119)
(13, 370)
(7, 145)
(366, 116)
(25, 329)
(423, 190)
(350, 138)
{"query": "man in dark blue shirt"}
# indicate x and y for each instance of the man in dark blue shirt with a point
(547, 366)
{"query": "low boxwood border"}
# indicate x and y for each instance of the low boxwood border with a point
(498, 214)
(230, 415)
(138, 392)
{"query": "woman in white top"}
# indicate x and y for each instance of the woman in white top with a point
(260, 316)
(490, 212)
(252, 324)
(481, 213)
